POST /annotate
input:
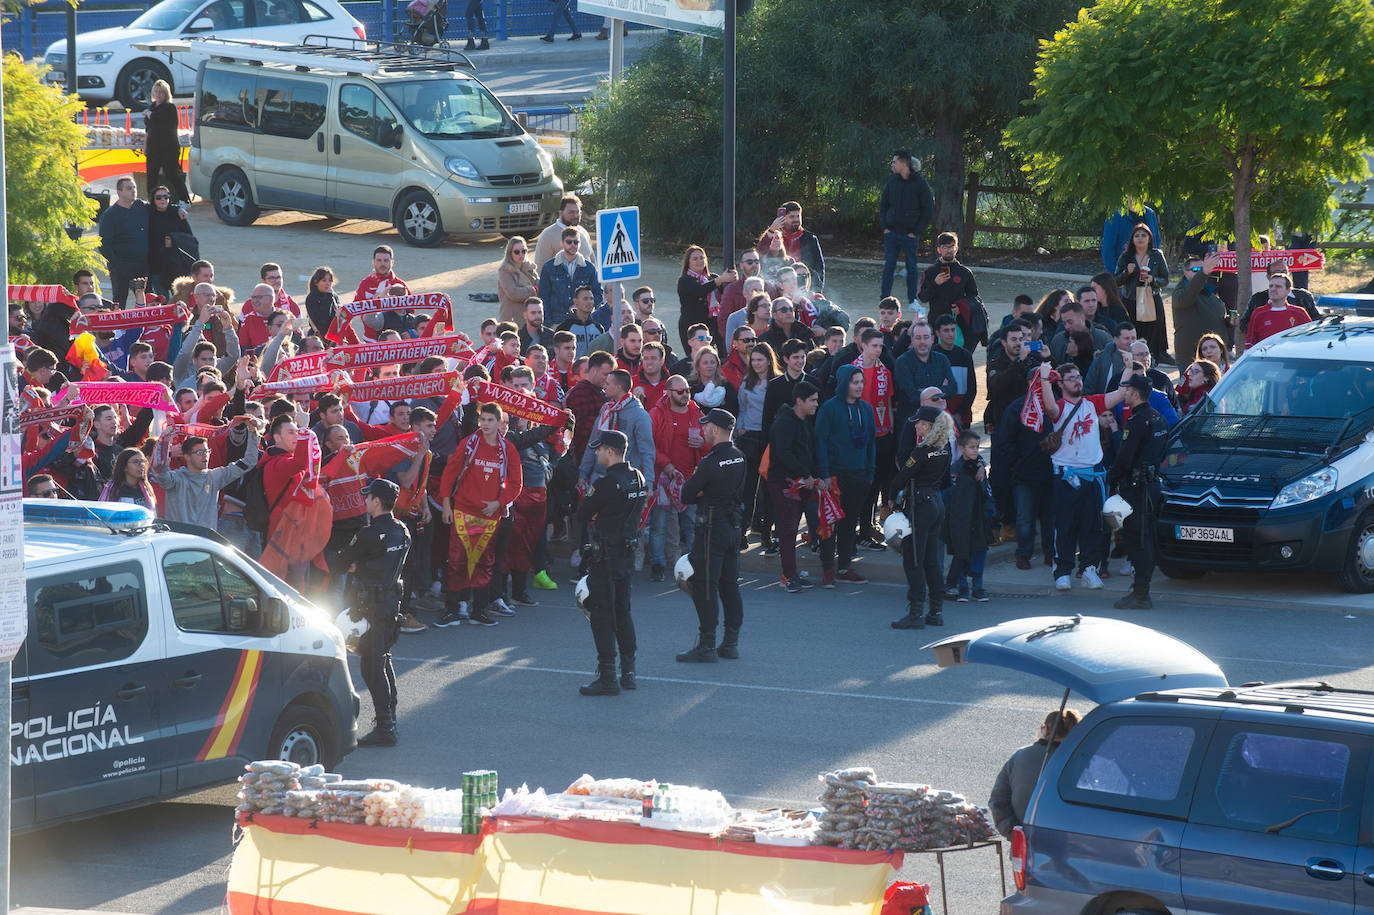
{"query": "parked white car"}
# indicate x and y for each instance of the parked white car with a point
(109, 67)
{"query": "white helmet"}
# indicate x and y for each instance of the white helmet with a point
(896, 528)
(352, 630)
(1115, 511)
(683, 573)
(582, 592)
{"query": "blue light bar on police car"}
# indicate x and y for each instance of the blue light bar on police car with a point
(87, 514)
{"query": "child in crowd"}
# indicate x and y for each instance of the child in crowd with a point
(968, 521)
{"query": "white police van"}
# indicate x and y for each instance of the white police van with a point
(1275, 471)
(159, 661)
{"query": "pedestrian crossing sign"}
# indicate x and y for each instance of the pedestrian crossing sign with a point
(617, 243)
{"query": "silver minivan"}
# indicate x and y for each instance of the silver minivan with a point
(368, 130)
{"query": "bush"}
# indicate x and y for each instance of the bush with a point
(43, 192)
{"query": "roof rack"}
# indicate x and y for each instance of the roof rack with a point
(1296, 697)
(331, 52)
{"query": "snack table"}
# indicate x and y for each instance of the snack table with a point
(535, 866)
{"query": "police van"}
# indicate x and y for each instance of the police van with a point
(159, 661)
(1274, 471)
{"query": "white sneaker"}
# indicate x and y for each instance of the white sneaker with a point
(1090, 579)
(1127, 568)
(500, 608)
(436, 589)
(1062, 583)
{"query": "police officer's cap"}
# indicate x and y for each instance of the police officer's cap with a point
(610, 438)
(385, 490)
(720, 418)
(1140, 383)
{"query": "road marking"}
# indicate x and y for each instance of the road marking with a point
(790, 690)
(1311, 664)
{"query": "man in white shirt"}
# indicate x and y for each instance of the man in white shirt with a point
(550, 241)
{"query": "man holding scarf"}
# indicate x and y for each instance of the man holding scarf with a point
(481, 480)
(877, 393)
(678, 446)
(622, 412)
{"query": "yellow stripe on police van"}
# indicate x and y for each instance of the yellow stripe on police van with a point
(235, 711)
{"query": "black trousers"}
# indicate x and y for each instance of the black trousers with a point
(418, 572)
(1077, 525)
(854, 489)
(923, 551)
(612, 626)
(1138, 533)
(374, 653)
(885, 468)
(715, 571)
(752, 445)
(164, 167)
(120, 274)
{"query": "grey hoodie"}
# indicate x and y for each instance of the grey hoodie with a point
(634, 421)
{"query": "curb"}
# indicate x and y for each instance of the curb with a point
(529, 52)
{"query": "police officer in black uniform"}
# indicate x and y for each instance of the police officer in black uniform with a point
(716, 489)
(375, 556)
(615, 505)
(1135, 473)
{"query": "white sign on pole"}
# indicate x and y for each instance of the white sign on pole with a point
(617, 244)
(701, 17)
(14, 612)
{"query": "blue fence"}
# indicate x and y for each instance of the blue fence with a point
(36, 27)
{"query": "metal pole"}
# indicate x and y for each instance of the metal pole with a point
(5, 673)
(617, 49)
(1054, 726)
(727, 227)
(71, 50)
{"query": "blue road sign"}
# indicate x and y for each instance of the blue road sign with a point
(617, 243)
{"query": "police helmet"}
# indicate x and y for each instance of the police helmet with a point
(683, 573)
(582, 592)
(896, 528)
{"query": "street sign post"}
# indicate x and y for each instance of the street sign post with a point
(617, 244)
(1297, 260)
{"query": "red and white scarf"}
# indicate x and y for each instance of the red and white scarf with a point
(878, 393)
(830, 511)
(362, 355)
(407, 387)
(146, 316)
(437, 303)
(514, 402)
(295, 366)
(609, 416)
(469, 447)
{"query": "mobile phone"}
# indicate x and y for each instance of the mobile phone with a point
(1035, 346)
(1212, 248)
(945, 269)
(781, 211)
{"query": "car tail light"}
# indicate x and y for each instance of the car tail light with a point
(362, 32)
(1020, 854)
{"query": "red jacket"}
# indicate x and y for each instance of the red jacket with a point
(281, 471)
(670, 438)
(734, 368)
(651, 394)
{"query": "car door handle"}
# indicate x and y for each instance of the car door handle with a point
(319, 141)
(191, 678)
(129, 690)
(19, 691)
(1325, 869)
(336, 144)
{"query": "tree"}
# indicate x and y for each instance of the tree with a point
(1246, 111)
(43, 192)
(827, 89)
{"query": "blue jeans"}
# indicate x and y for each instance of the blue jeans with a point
(1034, 506)
(236, 532)
(562, 8)
(892, 242)
(658, 521)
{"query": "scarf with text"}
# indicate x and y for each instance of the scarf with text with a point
(306, 384)
(131, 394)
(830, 511)
(537, 411)
(145, 316)
(364, 355)
(437, 303)
(1033, 409)
(878, 393)
(407, 387)
(295, 366)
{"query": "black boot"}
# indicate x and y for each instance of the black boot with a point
(383, 734)
(935, 617)
(729, 646)
(604, 684)
(1134, 600)
(627, 671)
(912, 620)
(471, 45)
(704, 652)
(485, 45)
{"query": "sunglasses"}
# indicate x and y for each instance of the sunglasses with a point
(572, 241)
(517, 250)
(750, 260)
(938, 397)
(647, 300)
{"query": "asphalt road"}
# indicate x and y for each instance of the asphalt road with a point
(823, 682)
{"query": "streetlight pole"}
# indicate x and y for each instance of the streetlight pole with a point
(728, 143)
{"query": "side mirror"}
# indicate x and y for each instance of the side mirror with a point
(203, 24)
(239, 613)
(396, 132)
(278, 616)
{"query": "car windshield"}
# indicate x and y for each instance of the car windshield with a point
(453, 109)
(165, 16)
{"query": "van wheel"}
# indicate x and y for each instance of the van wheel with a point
(134, 87)
(1357, 574)
(1180, 573)
(417, 219)
(303, 735)
(233, 198)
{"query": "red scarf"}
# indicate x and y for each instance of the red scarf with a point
(791, 243)
(702, 278)
(437, 303)
(133, 394)
(517, 404)
(830, 511)
(145, 316)
(304, 364)
(407, 387)
(878, 394)
(396, 351)
(469, 446)
(609, 416)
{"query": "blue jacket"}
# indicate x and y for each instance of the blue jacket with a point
(1160, 401)
(835, 449)
(556, 286)
(1116, 234)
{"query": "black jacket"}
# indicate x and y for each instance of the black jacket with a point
(616, 503)
(1143, 443)
(926, 466)
(718, 480)
(793, 454)
(775, 336)
(1016, 454)
(545, 339)
(1008, 379)
(777, 396)
(810, 255)
(967, 529)
(906, 205)
(321, 307)
(379, 551)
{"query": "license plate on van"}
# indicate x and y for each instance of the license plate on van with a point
(531, 207)
(1205, 534)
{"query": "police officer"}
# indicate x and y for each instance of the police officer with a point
(616, 505)
(1135, 473)
(716, 488)
(375, 556)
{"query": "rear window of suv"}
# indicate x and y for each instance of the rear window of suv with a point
(1147, 765)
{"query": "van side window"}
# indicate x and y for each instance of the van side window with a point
(1140, 764)
(210, 595)
(362, 113)
(314, 12)
(290, 108)
(1300, 783)
(226, 100)
(98, 617)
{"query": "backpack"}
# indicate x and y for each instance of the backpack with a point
(257, 513)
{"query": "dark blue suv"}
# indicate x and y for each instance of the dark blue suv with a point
(1179, 793)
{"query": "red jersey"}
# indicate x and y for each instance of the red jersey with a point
(670, 438)
(878, 394)
(284, 302)
(1266, 321)
(477, 472)
(647, 392)
(253, 329)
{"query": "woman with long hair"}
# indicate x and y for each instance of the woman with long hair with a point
(1211, 348)
(694, 289)
(516, 280)
(322, 302)
(1141, 273)
(162, 144)
(711, 389)
(166, 259)
(1080, 350)
(1109, 298)
(1197, 382)
(129, 481)
(1048, 312)
(751, 438)
(923, 473)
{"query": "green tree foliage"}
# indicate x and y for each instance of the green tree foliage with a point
(1246, 111)
(827, 89)
(42, 190)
